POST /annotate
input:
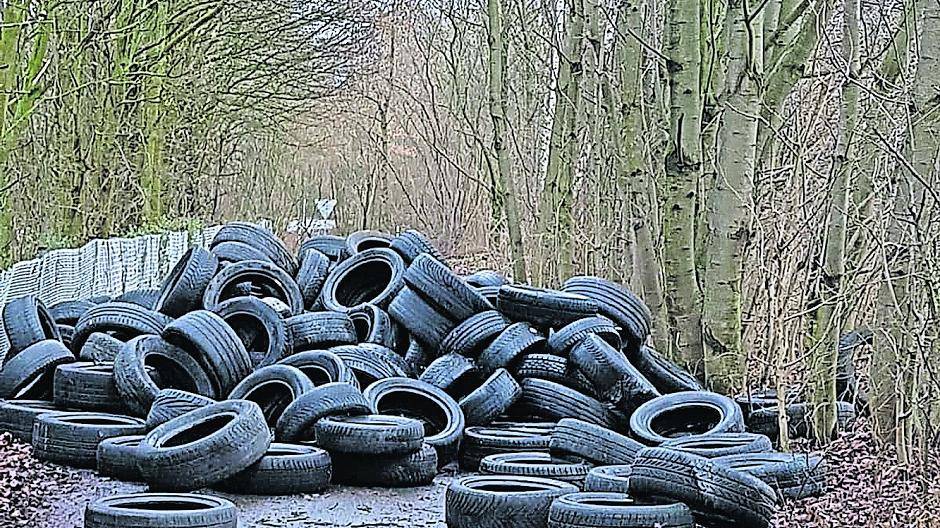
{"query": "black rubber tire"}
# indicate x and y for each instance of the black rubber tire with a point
(502, 501)
(411, 243)
(29, 374)
(299, 420)
(26, 322)
(314, 268)
(609, 479)
(535, 464)
(173, 403)
(543, 307)
(686, 414)
(490, 399)
(332, 246)
(483, 278)
(366, 239)
(174, 368)
(17, 416)
(273, 388)
(373, 325)
(721, 444)
(123, 321)
(214, 344)
(665, 375)
(611, 375)
(321, 367)
(799, 420)
(117, 458)
(259, 327)
(474, 334)
(204, 446)
(716, 494)
(229, 253)
(373, 276)
(442, 418)
(418, 357)
(69, 312)
(615, 510)
(550, 400)
(259, 238)
(65, 334)
(515, 341)
(370, 363)
(320, 330)
(443, 289)
(370, 434)
(422, 320)
(285, 469)
(480, 442)
(491, 293)
(598, 445)
(793, 477)
(266, 280)
(553, 368)
(454, 374)
(184, 287)
(72, 438)
(87, 387)
(145, 298)
(161, 510)
(100, 348)
(562, 341)
(763, 399)
(617, 303)
(393, 471)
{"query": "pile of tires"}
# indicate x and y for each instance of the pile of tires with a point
(368, 361)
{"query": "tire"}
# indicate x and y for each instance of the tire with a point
(480, 442)
(173, 366)
(229, 253)
(215, 346)
(69, 312)
(123, 321)
(285, 469)
(474, 334)
(273, 388)
(686, 414)
(543, 307)
(159, 510)
(593, 443)
(611, 375)
(320, 367)
(716, 494)
(320, 330)
(846, 379)
(442, 418)
(535, 464)
(373, 276)
(204, 446)
(183, 289)
(615, 510)
(29, 374)
(618, 304)
(373, 325)
(87, 387)
(490, 293)
(65, 334)
(332, 246)
(550, 400)
(173, 403)
(665, 375)
(370, 363)
(258, 326)
(17, 416)
(454, 374)
(366, 239)
(422, 320)
(393, 471)
(266, 280)
(793, 477)
(72, 438)
(492, 501)
(569, 336)
(799, 420)
(490, 399)
(27, 322)
(100, 348)
(314, 268)
(553, 368)
(411, 243)
(721, 444)
(609, 479)
(515, 341)
(260, 239)
(371, 434)
(333, 399)
(763, 399)
(483, 278)
(443, 289)
(418, 357)
(145, 298)
(117, 458)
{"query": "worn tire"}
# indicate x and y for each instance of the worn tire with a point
(173, 403)
(493, 501)
(100, 348)
(320, 330)
(799, 420)
(535, 464)
(366, 239)
(411, 243)
(321, 367)
(690, 413)
(611, 375)
(479, 279)
(550, 400)
(370, 363)
(117, 458)
(424, 322)
(569, 336)
(792, 476)
(285, 469)
(258, 238)
(490, 399)
(69, 312)
(480, 442)
(515, 341)
(258, 326)
(452, 373)
(474, 334)
(214, 344)
(391, 471)
(446, 292)
(229, 253)
(617, 303)
(266, 279)
(330, 245)
(615, 510)
(314, 268)
(553, 368)
(17, 416)
(721, 444)
(370, 434)
(27, 322)
(29, 374)
(72, 438)
(609, 479)
(665, 375)
(184, 287)
(161, 510)
(543, 307)
(333, 399)
(273, 388)
(374, 325)
(573, 437)
(373, 276)
(87, 387)
(124, 321)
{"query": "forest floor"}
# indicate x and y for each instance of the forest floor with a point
(868, 488)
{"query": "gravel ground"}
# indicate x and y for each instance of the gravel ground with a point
(868, 488)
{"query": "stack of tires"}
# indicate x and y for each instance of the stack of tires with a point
(366, 360)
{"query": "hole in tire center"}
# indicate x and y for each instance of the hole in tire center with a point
(607, 502)
(714, 445)
(162, 506)
(317, 374)
(169, 374)
(363, 283)
(509, 488)
(415, 406)
(251, 332)
(47, 325)
(372, 243)
(686, 420)
(198, 431)
(95, 420)
(272, 396)
(363, 325)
